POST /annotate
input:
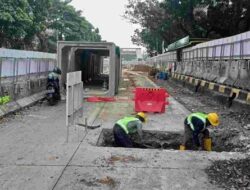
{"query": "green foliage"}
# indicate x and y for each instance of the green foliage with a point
(37, 25)
(4, 100)
(150, 38)
(14, 21)
(170, 20)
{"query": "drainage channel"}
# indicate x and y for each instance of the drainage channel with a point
(155, 140)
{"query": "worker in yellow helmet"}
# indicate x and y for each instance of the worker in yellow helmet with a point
(126, 126)
(197, 123)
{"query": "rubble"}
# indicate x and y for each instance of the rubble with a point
(107, 181)
(114, 159)
(230, 174)
(247, 127)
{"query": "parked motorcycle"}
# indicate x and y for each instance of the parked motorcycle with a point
(52, 96)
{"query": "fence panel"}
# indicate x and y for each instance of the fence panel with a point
(74, 99)
(20, 71)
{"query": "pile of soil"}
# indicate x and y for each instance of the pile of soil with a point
(153, 71)
(142, 68)
(230, 174)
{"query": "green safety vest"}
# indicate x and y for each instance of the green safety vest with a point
(199, 115)
(123, 123)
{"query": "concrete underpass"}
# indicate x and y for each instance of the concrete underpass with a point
(34, 154)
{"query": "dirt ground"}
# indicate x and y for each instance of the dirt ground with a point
(233, 134)
(231, 174)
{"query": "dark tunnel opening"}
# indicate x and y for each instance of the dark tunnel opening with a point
(94, 65)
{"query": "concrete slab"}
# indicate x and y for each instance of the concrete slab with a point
(9, 107)
(33, 151)
(28, 177)
(25, 101)
(132, 178)
(35, 154)
(88, 156)
(1, 112)
(21, 103)
(172, 120)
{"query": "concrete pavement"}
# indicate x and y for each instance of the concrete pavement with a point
(34, 155)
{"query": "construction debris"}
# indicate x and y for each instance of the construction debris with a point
(114, 159)
(53, 158)
(230, 174)
(153, 71)
(247, 127)
(143, 68)
(107, 181)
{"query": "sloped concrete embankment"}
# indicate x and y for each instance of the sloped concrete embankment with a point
(14, 106)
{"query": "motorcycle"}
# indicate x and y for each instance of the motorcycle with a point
(52, 96)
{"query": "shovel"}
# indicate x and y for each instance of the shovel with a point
(142, 145)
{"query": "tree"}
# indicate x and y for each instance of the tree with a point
(148, 38)
(40, 12)
(37, 25)
(170, 20)
(69, 25)
(15, 20)
(225, 18)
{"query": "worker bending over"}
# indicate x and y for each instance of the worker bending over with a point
(196, 124)
(126, 126)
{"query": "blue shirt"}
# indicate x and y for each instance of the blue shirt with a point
(199, 127)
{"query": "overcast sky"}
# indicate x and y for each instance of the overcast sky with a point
(107, 16)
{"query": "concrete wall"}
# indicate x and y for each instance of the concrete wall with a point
(24, 73)
(224, 61)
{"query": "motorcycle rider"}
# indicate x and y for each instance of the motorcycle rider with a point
(53, 78)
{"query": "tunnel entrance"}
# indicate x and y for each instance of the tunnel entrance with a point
(157, 140)
(99, 63)
(94, 65)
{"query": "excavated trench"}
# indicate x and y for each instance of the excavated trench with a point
(157, 140)
(234, 130)
(231, 136)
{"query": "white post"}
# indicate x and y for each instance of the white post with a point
(74, 99)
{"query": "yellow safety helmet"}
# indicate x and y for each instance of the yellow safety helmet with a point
(213, 118)
(142, 115)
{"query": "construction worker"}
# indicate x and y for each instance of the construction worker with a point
(196, 124)
(126, 126)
